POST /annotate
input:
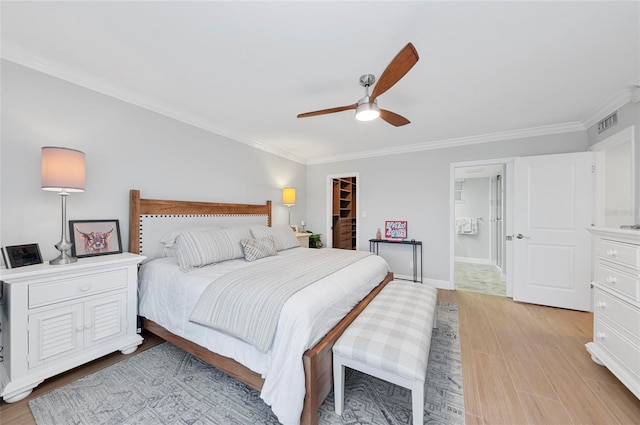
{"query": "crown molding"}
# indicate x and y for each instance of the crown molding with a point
(460, 141)
(29, 59)
(616, 102)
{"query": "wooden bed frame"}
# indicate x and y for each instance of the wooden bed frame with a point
(318, 361)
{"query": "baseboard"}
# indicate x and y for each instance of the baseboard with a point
(440, 284)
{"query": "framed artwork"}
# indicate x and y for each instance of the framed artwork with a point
(395, 230)
(21, 255)
(94, 237)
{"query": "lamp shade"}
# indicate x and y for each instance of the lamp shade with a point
(288, 196)
(62, 169)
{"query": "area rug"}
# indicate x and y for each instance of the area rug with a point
(166, 385)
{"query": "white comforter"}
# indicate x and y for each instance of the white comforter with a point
(167, 296)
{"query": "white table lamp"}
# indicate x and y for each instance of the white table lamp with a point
(62, 172)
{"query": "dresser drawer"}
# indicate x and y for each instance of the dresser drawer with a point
(75, 287)
(627, 353)
(621, 253)
(622, 315)
(611, 277)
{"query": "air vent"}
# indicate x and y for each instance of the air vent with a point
(608, 122)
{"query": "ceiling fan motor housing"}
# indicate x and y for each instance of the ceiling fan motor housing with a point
(366, 110)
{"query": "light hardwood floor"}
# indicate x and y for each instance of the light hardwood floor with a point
(527, 364)
(522, 364)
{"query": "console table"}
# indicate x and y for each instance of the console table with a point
(374, 247)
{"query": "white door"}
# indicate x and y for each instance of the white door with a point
(553, 205)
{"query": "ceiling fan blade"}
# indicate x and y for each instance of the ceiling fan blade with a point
(393, 118)
(399, 66)
(328, 111)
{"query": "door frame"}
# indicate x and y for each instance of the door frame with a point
(599, 149)
(329, 222)
(508, 217)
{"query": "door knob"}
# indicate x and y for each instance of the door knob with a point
(521, 236)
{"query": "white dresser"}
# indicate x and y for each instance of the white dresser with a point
(55, 318)
(616, 282)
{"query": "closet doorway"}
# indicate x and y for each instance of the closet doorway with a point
(479, 242)
(343, 226)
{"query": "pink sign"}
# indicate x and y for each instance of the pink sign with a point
(395, 229)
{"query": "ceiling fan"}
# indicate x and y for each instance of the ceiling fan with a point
(367, 108)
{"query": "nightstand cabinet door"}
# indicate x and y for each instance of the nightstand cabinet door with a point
(54, 333)
(105, 318)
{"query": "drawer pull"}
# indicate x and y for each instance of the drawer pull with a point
(79, 328)
(88, 325)
(601, 304)
(600, 335)
(612, 252)
(611, 279)
(85, 288)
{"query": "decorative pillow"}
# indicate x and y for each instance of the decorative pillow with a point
(255, 249)
(283, 236)
(236, 235)
(168, 241)
(198, 249)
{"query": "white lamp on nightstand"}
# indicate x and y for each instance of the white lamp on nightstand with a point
(289, 199)
(62, 170)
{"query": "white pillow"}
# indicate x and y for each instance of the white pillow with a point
(198, 249)
(255, 249)
(236, 235)
(168, 241)
(283, 236)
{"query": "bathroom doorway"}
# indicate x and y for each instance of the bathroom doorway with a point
(479, 241)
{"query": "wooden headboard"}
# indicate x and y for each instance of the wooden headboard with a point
(181, 211)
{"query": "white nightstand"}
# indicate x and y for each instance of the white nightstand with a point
(303, 238)
(55, 318)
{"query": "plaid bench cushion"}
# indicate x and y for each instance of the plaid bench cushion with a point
(393, 333)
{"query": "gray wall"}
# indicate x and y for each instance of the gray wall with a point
(126, 147)
(130, 147)
(628, 115)
(415, 187)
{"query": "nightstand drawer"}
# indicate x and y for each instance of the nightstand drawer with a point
(617, 252)
(617, 280)
(62, 290)
(624, 316)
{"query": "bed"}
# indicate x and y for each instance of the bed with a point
(151, 220)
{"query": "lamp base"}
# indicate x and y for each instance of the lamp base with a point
(63, 258)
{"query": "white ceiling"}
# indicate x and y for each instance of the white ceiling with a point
(487, 70)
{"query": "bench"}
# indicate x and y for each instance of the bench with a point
(390, 340)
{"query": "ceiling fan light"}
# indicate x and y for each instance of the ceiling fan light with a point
(367, 111)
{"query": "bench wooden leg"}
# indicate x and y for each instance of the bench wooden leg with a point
(338, 384)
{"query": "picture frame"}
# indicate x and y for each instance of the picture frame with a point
(95, 237)
(396, 230)
(21, 255)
